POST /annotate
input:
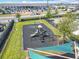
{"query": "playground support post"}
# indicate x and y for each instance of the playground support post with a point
(75, 49)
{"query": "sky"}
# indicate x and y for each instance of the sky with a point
(35, 1)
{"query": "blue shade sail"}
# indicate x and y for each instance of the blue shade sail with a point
(34, 55)
(66, 48)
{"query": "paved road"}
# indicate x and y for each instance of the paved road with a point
(9, 18)
(6, 18)
(13, 17)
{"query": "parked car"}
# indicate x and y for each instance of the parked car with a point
(1, 27)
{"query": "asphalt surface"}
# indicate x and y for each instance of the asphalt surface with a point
(51, 22)
(29, 42)
(22, 17)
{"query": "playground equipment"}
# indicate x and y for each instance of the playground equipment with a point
(52, 54)
(41, 33)
(41, 53)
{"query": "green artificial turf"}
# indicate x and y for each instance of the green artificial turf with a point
(14, 47)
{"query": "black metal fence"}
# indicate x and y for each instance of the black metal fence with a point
(5, 34)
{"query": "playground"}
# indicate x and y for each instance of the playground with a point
(47, 49)
(36, 42)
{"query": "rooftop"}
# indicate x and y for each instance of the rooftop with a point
(38, 1)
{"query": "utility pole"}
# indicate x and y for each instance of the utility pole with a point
(47, 4)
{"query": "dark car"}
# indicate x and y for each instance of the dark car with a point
(1, 27)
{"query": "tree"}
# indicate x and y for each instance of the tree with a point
(18, 16)
(56, 11)
(48, 15)
(66, 25)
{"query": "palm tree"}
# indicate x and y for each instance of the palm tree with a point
(56, 11)
(47, 3)
(48, 15)
(18, 16)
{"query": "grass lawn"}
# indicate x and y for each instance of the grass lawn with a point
(13, 49)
